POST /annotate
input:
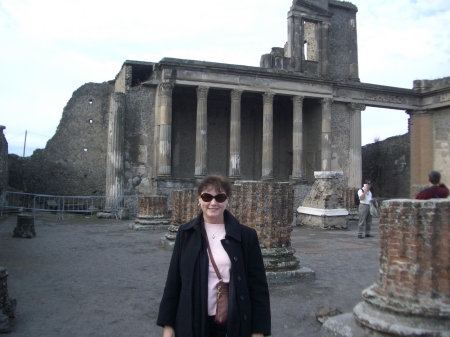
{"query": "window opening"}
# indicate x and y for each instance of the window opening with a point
(310, 41)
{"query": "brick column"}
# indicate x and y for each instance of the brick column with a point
(202, 132)
(355, 158)
(115, 153)
(421, 128)
(165, 130)
(235, 135)
(267, 155)
(326, 134)
(411, 296)
(324, 48)
(297, 138)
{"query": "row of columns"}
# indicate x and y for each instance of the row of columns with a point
(163, 138)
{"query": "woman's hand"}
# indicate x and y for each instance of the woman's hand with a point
(169, 332)
(257, 335)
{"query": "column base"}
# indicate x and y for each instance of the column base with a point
(391, 323)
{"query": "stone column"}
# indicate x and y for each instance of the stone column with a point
(267, 155)
(297, 138)
(421, 129)
(115, 155)
(235, 135)
(355, 158)
(326, 134)
(165, 130)
(202, 132)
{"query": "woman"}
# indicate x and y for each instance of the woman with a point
(188, 304)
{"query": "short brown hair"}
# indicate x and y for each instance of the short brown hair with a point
(220, 183)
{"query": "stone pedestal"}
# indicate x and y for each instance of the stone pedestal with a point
(411, 296)
(7, 305)
(24, 227)
(324, 205)
(152, 213)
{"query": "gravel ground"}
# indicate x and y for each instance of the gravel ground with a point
(83, 277)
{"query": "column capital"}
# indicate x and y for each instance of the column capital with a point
(419, 112)
(165, 89)
(298, 100)
(268, 97)
(357, 106)
(326, 102)
(202, 92)
(236, 94)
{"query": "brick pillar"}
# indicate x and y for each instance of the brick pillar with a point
(267, 155)
(421, 128)
(266, 206)
(153, 213)
(297, 138)
(184, 208)
(411, 296)
(235, 135)
(326, 134)
(115, 152)
(202, 132)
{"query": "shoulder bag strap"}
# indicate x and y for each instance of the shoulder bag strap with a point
(212, 258)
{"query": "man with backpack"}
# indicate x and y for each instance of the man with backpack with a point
(436, 190)
(365, 218)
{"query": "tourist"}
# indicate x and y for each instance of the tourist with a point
(436, 189)
(365, 218)
(188, 305)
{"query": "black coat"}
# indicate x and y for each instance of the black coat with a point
(184, 302)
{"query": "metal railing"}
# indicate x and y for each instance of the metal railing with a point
(35, 203)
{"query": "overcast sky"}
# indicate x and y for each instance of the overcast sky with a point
(49, 48)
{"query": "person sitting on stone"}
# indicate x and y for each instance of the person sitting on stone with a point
(436, 189)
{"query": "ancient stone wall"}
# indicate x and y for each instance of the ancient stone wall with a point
(3, 160)
(387, 164)
(74, 160)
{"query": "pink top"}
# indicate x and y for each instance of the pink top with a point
(216, 232)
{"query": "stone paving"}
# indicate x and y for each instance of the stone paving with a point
(83, 277)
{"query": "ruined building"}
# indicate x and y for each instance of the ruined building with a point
(159, 126)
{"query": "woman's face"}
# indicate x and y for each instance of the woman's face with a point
(212, 210)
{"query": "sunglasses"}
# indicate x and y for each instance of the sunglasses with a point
(206, 197)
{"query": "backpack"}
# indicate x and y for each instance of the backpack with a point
(357, 201)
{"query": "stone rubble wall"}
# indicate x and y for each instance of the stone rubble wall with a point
(387, 164)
